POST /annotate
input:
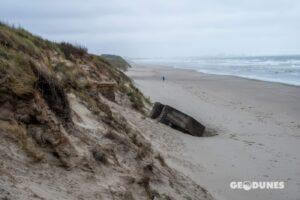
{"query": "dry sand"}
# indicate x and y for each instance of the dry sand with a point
(258, 126)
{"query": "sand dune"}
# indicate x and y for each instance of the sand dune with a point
(258, 127)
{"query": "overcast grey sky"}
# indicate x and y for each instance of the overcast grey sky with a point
(139, 28)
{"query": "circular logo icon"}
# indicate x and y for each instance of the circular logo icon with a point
(247, 185)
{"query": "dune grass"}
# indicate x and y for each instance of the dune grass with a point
(20, 50)
(70, 50)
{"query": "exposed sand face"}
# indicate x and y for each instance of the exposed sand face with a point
(104, 170)
(258, 125)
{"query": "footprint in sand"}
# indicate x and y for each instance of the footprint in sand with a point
(248, 142)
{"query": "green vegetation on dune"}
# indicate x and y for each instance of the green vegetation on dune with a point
(21, 52)
(18, 39)
(117, 61)
(36, 75)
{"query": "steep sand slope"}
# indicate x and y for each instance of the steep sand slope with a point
(258, 126)
(62, 132)
(108, 165)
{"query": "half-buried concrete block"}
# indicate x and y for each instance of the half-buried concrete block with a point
(176, 119)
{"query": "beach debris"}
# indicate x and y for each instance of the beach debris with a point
(176, 119)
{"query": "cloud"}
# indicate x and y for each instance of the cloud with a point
(163, 28)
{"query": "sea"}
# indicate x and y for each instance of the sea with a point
(280, 68)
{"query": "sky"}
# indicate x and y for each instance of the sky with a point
(163, 28)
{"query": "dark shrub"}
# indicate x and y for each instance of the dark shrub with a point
(54, 94)
(69, 49)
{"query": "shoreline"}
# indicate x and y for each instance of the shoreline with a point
(206, 73)
(257, 122)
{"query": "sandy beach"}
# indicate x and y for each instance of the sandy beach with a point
(257, 125)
